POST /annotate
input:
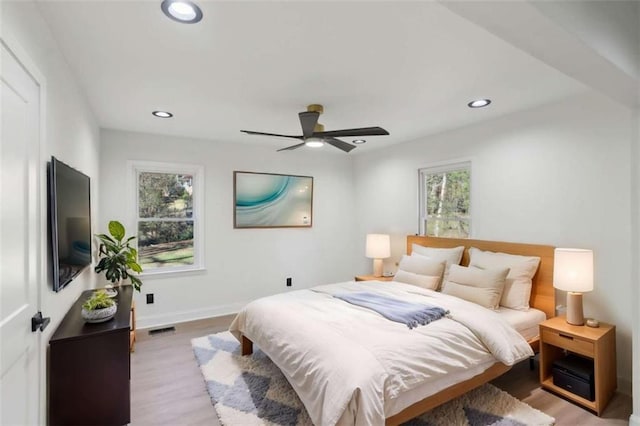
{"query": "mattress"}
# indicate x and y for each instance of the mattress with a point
(349, 364)
(525, 322)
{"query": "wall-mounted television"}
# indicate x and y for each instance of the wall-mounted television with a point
(70, 222)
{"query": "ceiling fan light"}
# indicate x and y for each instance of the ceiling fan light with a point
(314, 142)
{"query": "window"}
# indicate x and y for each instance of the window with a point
(168, 215)
(445, 200)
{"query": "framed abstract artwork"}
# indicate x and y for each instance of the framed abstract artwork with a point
(269, 200)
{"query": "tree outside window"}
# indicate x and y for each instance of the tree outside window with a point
(166, 220)
(445, 201)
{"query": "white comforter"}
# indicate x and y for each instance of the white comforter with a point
(349, 364)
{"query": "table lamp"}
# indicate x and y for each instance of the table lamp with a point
(573, 273)
(378, 248)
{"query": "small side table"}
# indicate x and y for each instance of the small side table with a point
(599, 344)
(372, 278)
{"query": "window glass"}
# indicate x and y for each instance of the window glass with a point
(166, 219)
(164, 244)
(445, 201)
(165, 195)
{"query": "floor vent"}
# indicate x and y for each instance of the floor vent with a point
(163, 330)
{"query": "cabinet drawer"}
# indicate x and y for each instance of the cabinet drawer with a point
(568, 342)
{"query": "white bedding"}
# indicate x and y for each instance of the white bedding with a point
(525, 322)
(350, 365)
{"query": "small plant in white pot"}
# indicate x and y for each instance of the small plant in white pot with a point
(99, 307)
(118, 260)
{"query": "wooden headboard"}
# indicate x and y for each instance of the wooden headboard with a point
(542, 292)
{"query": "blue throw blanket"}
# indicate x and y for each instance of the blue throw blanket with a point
(411, 314)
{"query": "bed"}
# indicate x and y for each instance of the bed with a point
(325, 349)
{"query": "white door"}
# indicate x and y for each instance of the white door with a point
(20, 235)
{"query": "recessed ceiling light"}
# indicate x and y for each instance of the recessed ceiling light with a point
(182, 11)
(314, 142)
(479, 103)
(162, 114)
(359, 141)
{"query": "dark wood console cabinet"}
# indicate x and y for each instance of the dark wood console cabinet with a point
(89, 367)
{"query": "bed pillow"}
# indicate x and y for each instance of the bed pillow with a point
(422, 265)
(517, 286)
(481, 286)
(420, 271)
(425, 281)
(452, 256)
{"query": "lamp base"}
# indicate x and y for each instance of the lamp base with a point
(377, 267)
(575, 314)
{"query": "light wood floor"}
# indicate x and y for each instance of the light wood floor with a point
(168, 389)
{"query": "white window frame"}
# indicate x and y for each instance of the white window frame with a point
(197, 171)
(440, 168)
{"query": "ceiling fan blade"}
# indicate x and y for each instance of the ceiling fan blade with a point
(363, 131)
(250, 132)
(346, 147)
(296, 146)
(308, 121)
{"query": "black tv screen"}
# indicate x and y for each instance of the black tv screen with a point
(70, 217)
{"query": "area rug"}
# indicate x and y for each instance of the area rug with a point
(251, 390)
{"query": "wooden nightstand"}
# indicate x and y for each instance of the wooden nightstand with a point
(372, 278)
(599, 344)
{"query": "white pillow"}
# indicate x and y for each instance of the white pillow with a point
(517, 286)
(422, 265)
(481, 286)
(425, 281)
(452, 256)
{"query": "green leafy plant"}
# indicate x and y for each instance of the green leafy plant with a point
(117, 258)
(98, 300)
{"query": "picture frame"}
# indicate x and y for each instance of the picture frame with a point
(272, 200)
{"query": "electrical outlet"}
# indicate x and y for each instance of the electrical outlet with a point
(149, 298)
(289, 282)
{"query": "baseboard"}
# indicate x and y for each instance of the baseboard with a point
(634, 420)
(153, 321)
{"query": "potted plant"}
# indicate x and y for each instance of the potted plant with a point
(117, 258)
(99, 307)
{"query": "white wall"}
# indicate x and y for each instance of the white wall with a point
(241, 264)
(557, 175)
(70, 133)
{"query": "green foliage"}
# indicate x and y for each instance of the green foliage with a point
(166, 227)
(157, 232)
(448, 198)
(163, 195)
(98, 300)
(117, 257)
(116, 230)
(456, 192)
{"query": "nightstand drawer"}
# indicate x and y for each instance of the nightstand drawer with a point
(568, 342)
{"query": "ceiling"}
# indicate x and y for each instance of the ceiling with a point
(410, 67)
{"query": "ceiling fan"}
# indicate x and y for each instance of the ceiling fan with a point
(314, 135)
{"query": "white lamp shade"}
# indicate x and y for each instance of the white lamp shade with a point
(573, 270)
(378, 246)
